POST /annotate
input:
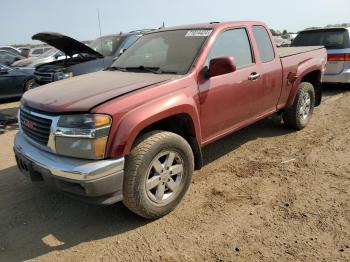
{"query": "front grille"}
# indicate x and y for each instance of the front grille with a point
(43, 78)
(35, 127)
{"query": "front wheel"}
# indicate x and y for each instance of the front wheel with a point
(158, 173)
(28, 85)
(299, 114)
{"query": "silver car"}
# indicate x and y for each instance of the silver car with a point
(52, 55)
(337, 43)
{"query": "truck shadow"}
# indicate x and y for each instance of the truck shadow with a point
(8, 117)
(227, 144)
(35, 219)
(332, 90)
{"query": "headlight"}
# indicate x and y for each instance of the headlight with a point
(62, 75)
(82, 136)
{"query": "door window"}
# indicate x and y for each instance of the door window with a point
(233, 42)
(266, 52)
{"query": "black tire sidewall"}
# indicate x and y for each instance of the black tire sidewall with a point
(147, 207)
(304, 88)
(28, 85)
(291, 116)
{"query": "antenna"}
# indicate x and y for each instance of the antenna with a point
(99, 26)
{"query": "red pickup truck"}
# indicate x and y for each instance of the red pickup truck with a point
(135, 131)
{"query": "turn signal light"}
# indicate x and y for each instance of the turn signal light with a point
(338, 57)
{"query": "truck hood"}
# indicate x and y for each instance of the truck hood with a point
(66, 44)
(82, 93)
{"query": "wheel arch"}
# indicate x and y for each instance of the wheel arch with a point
(312, 76)
(181, 119)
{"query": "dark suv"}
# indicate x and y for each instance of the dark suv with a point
(80, 58)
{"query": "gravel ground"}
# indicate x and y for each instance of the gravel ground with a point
(266, 193)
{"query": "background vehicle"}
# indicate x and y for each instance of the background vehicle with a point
(337, 43)
(83, 59)
(37, 51)
(25, 51)
(14, 81)
(49, 56)
(281, 42)
(134, 132)
(8, 58)
(11, 49)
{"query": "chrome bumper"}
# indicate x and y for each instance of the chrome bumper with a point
(67, 167)
(343, 77)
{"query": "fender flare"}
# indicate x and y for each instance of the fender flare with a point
(296, 84)
(135, 121)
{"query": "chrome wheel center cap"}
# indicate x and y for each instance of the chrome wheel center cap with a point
(164, 177)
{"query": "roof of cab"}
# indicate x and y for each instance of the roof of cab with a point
(210, 25)
(325, 29)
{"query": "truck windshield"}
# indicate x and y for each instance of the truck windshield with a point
(330, 38)
(163, 52)
(106, 45)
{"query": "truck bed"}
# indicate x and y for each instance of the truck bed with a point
(289, 51)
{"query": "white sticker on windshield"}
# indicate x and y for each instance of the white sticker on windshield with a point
(198, 32)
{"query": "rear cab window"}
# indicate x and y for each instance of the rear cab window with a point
(233, 42)
(263, 41)
(337, 38)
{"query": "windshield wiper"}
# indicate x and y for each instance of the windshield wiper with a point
(168, 72)
(152, 69)
(116, 68)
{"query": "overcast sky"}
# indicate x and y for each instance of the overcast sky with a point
(20, 19)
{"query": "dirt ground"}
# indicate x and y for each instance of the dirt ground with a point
(266, 193)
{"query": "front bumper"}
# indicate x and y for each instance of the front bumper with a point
(96, 181)
(343, 77)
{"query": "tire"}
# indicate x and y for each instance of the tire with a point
(299, 114)
(142, 172)
(28, 85)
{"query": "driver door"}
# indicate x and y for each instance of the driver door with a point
(225, 100)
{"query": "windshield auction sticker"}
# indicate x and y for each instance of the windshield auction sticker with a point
(198, 33)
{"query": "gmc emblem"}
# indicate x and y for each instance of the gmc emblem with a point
(29, 124)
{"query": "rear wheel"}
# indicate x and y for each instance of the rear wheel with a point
(158, 173)
(299, 114)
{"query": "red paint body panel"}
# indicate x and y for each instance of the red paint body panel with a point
(217, 106)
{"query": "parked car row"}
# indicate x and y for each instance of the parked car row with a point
(82, 59)
(66, 57)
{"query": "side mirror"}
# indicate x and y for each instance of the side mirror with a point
(221, 66)
(122, 51)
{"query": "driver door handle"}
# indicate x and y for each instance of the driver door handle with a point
(254, 76)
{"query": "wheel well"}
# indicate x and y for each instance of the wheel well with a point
(182, 125)
(314, 78)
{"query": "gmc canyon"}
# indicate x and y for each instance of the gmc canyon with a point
(135, 131)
